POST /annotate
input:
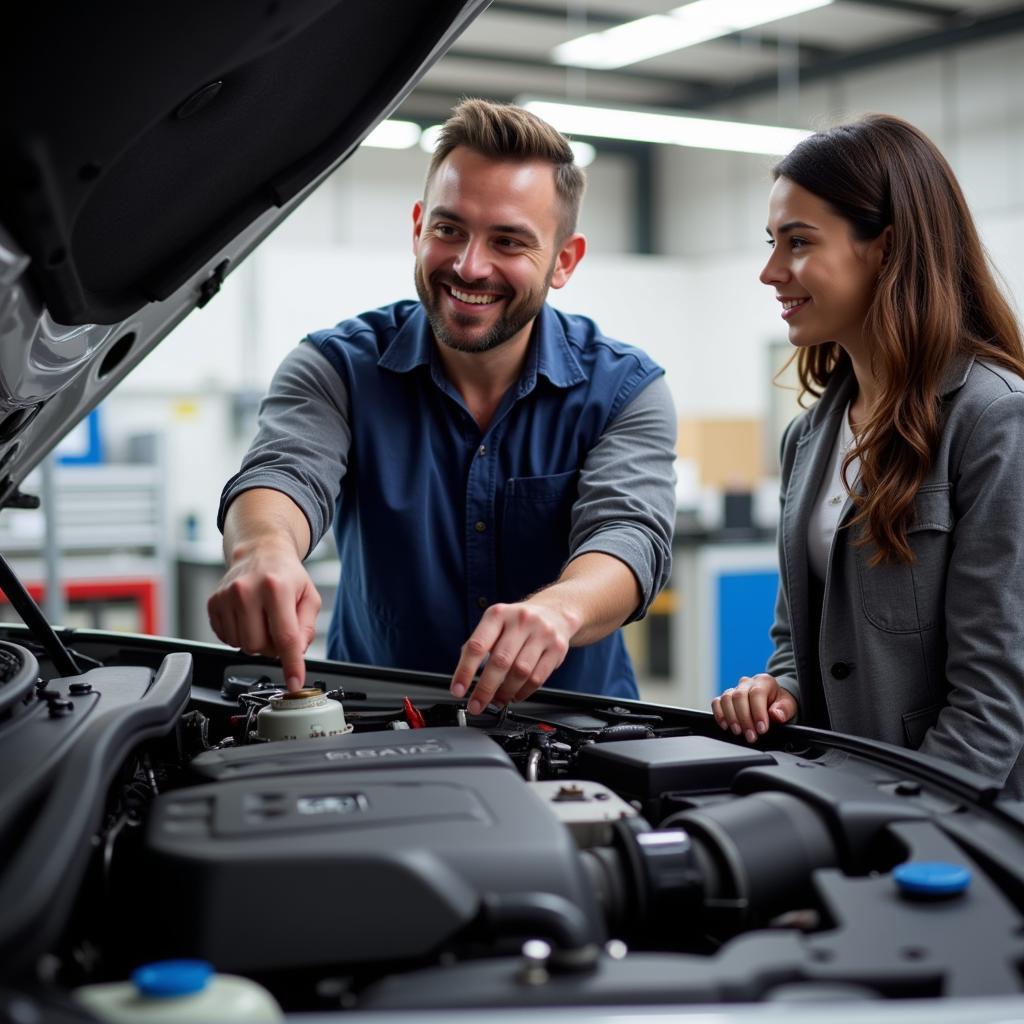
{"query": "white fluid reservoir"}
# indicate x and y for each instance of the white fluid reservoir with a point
(179, 992)
(304, 714)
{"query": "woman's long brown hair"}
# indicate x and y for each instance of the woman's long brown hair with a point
(936, 298)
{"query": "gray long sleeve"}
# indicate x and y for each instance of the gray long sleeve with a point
(625, 505)
(302, 441)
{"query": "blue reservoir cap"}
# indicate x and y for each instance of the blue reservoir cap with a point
(168, 978)
(931, 878)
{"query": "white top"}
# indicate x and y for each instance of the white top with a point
(831, 500)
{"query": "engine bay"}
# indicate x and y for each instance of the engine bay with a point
(391, 851)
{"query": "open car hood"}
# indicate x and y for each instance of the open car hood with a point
(148, 149)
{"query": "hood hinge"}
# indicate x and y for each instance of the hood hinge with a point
(212, 284)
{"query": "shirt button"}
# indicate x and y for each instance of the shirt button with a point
(482, 450)
(840, 670)
(480, 526)
(481, 602)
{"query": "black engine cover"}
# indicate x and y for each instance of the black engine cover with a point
(353, 865)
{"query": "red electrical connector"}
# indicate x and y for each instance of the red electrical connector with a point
(412, 715)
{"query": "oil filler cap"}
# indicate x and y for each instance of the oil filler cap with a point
(931, 879)
(168, 978)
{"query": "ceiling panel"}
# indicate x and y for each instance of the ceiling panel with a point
(506, 52)
(847, 26)
(717, 60)
(515, 33)
(483, 78)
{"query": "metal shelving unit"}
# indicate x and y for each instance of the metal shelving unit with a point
(108, 542)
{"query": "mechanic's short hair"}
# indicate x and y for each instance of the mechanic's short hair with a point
(503, 131)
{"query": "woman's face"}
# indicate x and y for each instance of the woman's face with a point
(823, 277)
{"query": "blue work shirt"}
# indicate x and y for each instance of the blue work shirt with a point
(437, 520)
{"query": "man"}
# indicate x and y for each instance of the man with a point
(494, 469)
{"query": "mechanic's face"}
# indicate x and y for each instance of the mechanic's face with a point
(487, 249)
(822, 275)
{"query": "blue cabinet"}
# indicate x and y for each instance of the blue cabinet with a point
(746, 606)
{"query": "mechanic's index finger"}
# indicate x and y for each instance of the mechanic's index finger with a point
(293, 666)
(287, 638)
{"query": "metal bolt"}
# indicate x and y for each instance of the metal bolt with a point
(60, 707)
(536, 954)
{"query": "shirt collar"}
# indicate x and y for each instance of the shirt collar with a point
(411, 346)
(550, 353)
(555, 358)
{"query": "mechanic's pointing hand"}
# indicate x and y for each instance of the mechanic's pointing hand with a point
(753, 705)
(523, 644)
(267, 604)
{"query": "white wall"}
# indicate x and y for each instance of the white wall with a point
(698, 308)
(714, 204)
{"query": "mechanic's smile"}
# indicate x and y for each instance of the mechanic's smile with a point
(465, 299)
(474, 298)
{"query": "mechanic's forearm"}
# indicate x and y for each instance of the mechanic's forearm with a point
(597, 592)
(263, 518)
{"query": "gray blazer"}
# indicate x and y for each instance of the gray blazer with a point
(929, 655)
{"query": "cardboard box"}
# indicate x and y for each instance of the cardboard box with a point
(728, 452)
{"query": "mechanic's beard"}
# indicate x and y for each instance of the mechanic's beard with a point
(514, 319)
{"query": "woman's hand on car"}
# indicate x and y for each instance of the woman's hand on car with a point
(753, 705)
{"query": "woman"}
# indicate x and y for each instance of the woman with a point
(900, 613)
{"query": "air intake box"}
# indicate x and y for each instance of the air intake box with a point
(646, 768)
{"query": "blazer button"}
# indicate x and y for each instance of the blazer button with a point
(840, 670)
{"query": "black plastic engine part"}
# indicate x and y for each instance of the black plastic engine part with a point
(235, 685)
(353, 866)
(445, 746)
(737, 861)
(19, 671)
(646, 768)
(624, 731)
(75, 757)
(764, 849)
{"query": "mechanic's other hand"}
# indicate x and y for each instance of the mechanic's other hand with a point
(751, 706)
(267, 604)
(523, 644)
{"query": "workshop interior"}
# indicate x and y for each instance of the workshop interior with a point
(191, 189)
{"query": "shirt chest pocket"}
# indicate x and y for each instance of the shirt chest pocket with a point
(536, 518)
(910, 598)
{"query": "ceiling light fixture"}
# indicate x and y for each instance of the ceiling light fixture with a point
(683, 26)
(668, 129)
(583, 153)
(394, 135)
(430, 137)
